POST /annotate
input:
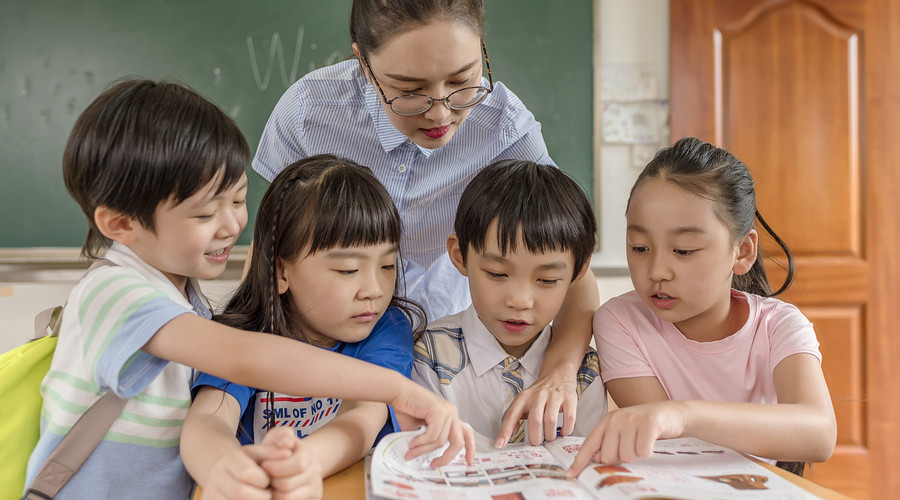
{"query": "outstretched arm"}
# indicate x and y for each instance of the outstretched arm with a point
(801, 426)
(554, 390)
(186, 340)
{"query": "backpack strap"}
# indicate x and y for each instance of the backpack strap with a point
(44, 319)
(75, 447)
(85, 435)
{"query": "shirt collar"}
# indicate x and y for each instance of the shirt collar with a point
(485, 352)
(388, 135)
(124, 256)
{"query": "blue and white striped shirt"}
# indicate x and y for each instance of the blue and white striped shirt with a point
(335, 110)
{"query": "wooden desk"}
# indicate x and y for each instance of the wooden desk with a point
(350, 484)
(806, 484)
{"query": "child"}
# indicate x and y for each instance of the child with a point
(160, 172)
(700, 348)
(326, 239)
(524, 233)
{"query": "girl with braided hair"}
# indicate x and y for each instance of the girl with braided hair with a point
(323, 271)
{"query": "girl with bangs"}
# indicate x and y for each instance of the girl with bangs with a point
(323, 271)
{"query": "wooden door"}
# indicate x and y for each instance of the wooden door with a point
(807, 93)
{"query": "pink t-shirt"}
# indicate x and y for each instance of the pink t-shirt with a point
(634, 342)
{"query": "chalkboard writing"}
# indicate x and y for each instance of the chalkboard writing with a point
(56, 56)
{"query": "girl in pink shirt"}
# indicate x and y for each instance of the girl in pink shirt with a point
(700, 348)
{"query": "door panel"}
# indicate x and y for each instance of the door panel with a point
(805, 93)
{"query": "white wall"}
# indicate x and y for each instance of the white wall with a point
(632, 32)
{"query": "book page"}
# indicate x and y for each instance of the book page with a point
(684, 468)
(516, 472)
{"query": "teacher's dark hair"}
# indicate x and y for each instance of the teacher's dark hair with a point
(375, 22)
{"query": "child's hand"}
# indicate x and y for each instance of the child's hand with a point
(296, 476)
(541, 403)
(417, 406)
(627, 434)
(237, 474)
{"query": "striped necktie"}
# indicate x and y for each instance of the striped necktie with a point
(512, 375)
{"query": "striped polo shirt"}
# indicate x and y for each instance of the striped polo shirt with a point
(335, 110)
(110, 314)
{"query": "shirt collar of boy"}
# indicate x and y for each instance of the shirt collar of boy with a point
(125, 257)
(485, 353)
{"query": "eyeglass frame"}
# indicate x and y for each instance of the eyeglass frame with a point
(487, 63)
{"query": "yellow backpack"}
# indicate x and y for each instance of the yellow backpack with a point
(22, 370)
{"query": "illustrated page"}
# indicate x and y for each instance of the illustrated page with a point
(517, 472)
(684, 468)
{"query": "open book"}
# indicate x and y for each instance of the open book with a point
(684, 468)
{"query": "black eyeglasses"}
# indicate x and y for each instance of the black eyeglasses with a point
(415, 104)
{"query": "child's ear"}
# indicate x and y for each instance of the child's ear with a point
(746, 254)
(355, 48)
(281, 278)
(115, 225)
(456, 255)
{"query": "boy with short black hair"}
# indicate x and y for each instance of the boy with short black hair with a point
(523, 234)
(159, 171)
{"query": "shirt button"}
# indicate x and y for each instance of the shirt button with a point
(401, 168)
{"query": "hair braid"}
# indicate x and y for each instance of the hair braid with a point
(272, 291)
(272, 265)
(273, 313)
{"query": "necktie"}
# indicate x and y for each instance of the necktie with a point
(512, 375)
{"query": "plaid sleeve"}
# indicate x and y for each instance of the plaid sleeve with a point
(589, 370)
(444, 351)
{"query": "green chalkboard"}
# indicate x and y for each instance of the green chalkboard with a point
(57, 55)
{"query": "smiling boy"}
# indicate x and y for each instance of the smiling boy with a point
(524, 233)
(159, 173)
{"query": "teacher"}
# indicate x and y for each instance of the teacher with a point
(415, 107)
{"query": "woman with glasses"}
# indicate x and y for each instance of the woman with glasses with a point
(416, 108)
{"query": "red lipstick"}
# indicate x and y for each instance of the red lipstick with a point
(436, 132)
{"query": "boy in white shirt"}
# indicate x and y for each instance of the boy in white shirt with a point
(523, 234)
